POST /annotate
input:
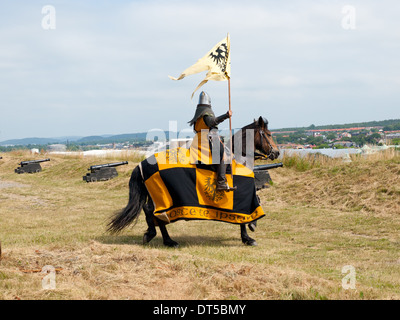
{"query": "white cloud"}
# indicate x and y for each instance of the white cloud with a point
(109, 62)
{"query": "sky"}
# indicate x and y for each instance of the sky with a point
(101, 67)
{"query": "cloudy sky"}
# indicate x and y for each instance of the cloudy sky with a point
(104, 68)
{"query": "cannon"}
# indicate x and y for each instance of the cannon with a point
(261, 175)
(103, 172)
(32, 166)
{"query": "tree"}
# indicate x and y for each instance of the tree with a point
(331, 136)
(372, 139)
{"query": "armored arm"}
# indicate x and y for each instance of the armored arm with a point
(212, 122)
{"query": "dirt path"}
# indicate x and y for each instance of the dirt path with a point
(11, 184)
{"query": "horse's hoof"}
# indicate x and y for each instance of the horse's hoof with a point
(251, 243)
(171, 244)
(252, 227)
(147, 237)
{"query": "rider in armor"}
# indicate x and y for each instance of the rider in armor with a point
(206, 123)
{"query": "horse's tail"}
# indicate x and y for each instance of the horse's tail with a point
(137, 198)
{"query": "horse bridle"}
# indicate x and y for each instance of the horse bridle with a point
(263, 137)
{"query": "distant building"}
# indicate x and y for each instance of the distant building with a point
(310, 146)
(393, 135)
(57, 147)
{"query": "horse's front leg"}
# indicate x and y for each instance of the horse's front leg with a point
(166, 238)
(245, 237)
(252, 226)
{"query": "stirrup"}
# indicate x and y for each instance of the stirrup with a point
(225, 187)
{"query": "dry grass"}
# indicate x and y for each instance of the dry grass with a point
(367, 184)
(319, 219)
(120, 155)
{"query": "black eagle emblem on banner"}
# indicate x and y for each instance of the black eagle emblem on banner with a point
(220, 56)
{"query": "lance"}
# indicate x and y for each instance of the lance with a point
(230, 128)
(230, 109)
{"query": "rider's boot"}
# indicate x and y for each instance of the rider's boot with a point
(222, 184)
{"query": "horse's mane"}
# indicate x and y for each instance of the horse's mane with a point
(250, 126)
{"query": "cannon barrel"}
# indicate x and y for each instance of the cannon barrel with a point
(268, 166)
(107, 165)
(261, 175)
(23, 163)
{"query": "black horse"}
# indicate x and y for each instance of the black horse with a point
(139, 197)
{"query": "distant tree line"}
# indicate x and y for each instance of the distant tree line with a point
(326, 140)
(76, 146)
(392, 127)
(23, 147)
(388, 125)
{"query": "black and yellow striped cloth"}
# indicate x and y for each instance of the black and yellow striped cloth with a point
(181, 190)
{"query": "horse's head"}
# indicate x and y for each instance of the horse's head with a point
(263, 139)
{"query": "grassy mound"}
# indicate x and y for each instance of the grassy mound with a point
(321, 215)
(366, 183)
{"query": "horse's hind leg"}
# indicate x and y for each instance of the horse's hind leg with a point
(252, 225)
(245, 237)
(151, 232)
(166, 238)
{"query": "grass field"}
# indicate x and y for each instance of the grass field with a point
(321, 215)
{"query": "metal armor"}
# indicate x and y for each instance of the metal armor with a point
(204, 98)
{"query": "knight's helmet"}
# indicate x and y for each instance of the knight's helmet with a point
(204, 98)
